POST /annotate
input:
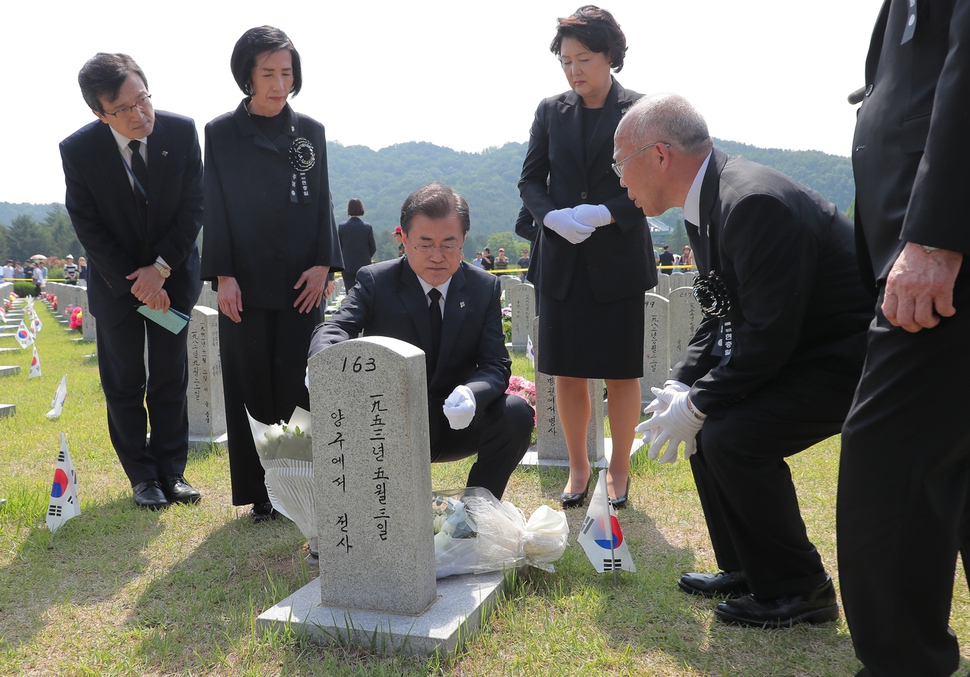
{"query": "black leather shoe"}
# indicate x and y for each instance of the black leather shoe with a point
(178, 490)
(724, 584)
(620, 501)
(813, 606)
(573, 500)
(263, 512)
(148, 494)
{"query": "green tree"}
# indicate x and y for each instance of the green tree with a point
(512, 243)
(63, 239)
(26, 237)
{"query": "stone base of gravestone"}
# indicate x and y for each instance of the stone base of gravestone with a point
(9, 371)
(462, 603)
(11, 350)
(7, 410)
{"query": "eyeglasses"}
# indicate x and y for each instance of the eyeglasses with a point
(143, 104)
(618, 166)
(446, 249)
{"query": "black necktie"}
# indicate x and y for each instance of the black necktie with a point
(140, 171)
(434, 314)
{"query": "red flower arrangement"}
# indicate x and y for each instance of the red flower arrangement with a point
(76, 319)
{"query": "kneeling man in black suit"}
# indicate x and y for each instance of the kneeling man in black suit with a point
(451, 310)
(773, 365)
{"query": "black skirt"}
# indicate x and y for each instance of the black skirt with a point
(585, 338)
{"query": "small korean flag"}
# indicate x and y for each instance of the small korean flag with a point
(57, 404)
(601, 536)
(23, 336)
(34, 365)
(530, 351)
(64, 504)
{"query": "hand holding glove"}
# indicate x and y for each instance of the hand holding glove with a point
(460, 407)
(676, 423)
(592, 215)
(561, 221)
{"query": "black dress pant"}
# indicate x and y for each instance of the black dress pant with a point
(904, 483)
(121, 361)
(263, 367)
(745, 485)
(500, 436)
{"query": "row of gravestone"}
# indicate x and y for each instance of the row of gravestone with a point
(670, 321)
(8, 330)
(206, 404)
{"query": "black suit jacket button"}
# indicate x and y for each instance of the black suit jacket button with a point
(583, 195)
(868, 90)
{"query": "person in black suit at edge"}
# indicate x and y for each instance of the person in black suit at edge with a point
(468, 366)
(267, 201)
(904, 476)
(356, 242)
(592, 252)
(667, 259)
(773, 365)
(134, 195)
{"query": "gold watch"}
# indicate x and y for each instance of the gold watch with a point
(162, 270)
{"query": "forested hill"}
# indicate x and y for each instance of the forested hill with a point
(830, 175)
(382, 179)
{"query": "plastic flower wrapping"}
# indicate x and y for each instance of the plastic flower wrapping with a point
(476, 533)
(286, 453)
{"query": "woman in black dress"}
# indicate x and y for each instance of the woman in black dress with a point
(593, 258)
(269, 244)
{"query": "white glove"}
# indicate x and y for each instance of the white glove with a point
(677, 423)
(460, 407)
(561, 221)
(592, 215)
(656, 405)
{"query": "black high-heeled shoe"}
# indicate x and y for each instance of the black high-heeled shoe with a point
(620, 501)
(573, 500)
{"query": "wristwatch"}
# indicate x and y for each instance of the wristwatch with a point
(162, 270)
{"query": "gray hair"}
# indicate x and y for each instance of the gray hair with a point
(668, 118)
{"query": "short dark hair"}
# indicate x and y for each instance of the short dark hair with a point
(597, 30)
(258, 41)
(103, 75)
(435, 201)
(355, 207)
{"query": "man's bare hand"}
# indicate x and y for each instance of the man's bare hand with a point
(230, 298)
(919, 289)
(147, 283)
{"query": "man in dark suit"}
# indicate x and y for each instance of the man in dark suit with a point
(134, 194)
(773, 365)
(667, 259)
(904, 478)
(356, 242)
(451, 310)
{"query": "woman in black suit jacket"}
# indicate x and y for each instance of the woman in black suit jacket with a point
(270, 242)
(357, 242)
(593, 253)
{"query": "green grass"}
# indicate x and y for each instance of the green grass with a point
(120, 591)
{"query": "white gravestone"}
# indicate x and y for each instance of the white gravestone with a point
(663, 284)
(656, 348)
(550, 441)
(685, 317)
(523, 303)
(372, 470)
(207, 406)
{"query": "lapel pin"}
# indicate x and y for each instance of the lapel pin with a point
(164, 153)
(461, 304)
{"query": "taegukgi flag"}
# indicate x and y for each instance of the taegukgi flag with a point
(23, 336)
(601, 536)
(57, 404)
(34, 365)
(64, 504)
(530, 351)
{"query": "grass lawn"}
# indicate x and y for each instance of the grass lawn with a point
(121, 591)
